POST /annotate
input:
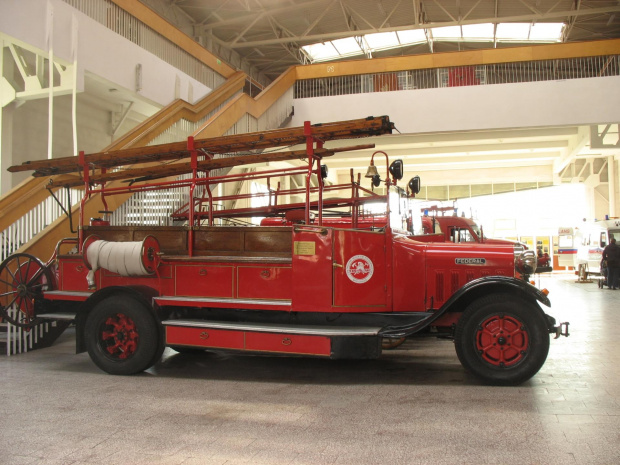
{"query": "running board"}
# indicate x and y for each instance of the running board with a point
(321, 341)
(57, 316)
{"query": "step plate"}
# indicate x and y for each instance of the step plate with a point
(265, 338)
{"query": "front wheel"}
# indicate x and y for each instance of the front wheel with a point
(122, 336)
(502, 339)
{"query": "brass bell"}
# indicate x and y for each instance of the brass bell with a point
(372, 171)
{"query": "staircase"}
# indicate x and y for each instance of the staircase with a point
(225, 111)
(16, 340)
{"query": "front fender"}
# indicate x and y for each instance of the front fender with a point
(499, 282)
(470, 292)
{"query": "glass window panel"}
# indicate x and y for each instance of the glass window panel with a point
(382, 40)
(513, 31)
(546, 31)
(347, 46)
(411, 37)
(450, 32)
(478, 31)
(321, 51)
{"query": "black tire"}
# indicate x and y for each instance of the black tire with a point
(122, 336)
(502, 339)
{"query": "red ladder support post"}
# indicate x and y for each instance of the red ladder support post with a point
(310, 153)
(192, 187)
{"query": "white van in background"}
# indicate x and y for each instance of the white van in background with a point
(590, 239)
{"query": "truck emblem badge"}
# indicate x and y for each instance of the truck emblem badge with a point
(470, 261)
(359, 269)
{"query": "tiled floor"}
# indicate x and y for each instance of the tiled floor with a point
(413, 406)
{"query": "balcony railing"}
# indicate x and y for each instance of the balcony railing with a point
(476, 75)
(118, 20)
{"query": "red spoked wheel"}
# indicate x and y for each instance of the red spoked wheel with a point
(119, 336)
(23, 278)
(123, 336)
(502, 340)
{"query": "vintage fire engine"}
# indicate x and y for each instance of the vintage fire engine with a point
(307, 289)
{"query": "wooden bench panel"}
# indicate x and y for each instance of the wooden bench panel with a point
(208, 241)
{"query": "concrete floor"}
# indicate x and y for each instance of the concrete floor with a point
(413, 406)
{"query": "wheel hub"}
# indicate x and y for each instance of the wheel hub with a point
(120, 336)
(22, 290)
(502, 341)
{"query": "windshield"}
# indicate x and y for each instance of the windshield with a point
(400, 211)
(477, 230)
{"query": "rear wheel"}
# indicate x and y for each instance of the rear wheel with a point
(122, 336)
(23, 278)
(502, 339)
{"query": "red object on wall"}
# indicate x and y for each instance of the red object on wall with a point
(464, 76)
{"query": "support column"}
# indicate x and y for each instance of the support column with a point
(6, 146)
(50, 107)
(612, 181)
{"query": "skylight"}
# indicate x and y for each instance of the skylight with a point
(450, 32)
(479, 31)
(347, 46)
(513, 31)
(369, 43)
(382, 40)
(412, 36)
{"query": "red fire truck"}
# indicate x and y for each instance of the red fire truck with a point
(303, 290)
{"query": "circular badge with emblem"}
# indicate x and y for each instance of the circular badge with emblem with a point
(359, 269)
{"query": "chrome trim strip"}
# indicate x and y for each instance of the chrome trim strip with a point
(57, 316)
(273, 328)
(68, 293)
(226, 259)
(280, 303)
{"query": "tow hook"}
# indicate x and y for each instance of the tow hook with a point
(562, 330)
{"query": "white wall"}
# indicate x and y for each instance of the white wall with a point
(533, 212)
(99, 50)
(530, 104)
(30, 130)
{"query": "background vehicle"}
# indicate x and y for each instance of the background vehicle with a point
(582, 246)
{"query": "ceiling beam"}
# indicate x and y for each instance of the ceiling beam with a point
(341, 34)
(241, 18)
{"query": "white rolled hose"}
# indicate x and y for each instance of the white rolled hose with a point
(124, 258)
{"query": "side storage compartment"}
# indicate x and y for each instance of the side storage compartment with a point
(264, 282)
(204, 280)
(72, 274)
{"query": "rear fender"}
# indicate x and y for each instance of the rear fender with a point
(142, 294)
